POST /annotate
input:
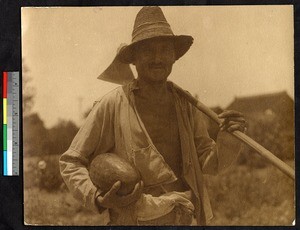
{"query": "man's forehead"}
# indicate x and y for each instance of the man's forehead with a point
(160, 41)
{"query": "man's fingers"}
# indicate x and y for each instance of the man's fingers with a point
(232, 120)
(113, 200)
(231, 123)
(240, 120)
(136, 193)
(235, 127)
(230, 113)
(100, 199)
(227, 122)
(137, 188)
(132, 197)
(142, 184)
(115, 188)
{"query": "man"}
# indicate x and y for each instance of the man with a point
(157, 130)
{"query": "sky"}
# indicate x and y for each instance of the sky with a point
(237, 51)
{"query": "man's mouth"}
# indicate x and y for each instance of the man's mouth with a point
(156, 66)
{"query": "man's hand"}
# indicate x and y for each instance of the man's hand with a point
(233, 120)
(113, 201)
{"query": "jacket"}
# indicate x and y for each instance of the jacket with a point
(114, 125)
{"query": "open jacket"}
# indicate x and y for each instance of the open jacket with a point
(114, 126)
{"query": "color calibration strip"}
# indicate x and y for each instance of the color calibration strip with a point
(11, 123)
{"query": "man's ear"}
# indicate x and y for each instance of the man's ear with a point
(133, 59)
(133, 56)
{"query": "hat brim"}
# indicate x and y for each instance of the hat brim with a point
(182, 44)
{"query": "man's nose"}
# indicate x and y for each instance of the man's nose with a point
(157, 56)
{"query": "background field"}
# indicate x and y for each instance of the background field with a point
(244, 195)
(239, 53)
(250, 192)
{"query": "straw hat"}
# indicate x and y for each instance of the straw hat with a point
(151, 23)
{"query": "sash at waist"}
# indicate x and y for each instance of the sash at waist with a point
(179, 186)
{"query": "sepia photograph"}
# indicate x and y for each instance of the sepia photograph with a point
(158, 115)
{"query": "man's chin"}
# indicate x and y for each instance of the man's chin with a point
(158, 80)
(155, 80)
(158, 75)
(157, 71)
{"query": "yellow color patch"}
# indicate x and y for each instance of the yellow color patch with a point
(5, 111)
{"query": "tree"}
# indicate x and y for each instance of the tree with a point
(35, 137)
(61, 136)
(28, 91)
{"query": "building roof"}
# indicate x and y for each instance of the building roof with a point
(279, 102)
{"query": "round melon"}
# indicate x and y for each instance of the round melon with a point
(108, 168)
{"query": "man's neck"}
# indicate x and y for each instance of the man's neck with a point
(153, 91)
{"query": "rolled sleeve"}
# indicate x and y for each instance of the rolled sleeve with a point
(214, 157)
(205, 146)
(96, 136)
(229, 149)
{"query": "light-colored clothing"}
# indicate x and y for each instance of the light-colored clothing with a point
(114, 126)
(150, 208)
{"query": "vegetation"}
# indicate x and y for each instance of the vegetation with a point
(247, 195)
(251, 192)
(244, 195)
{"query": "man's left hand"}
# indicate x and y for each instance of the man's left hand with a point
(232, 121)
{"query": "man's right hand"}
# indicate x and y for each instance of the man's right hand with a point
(114, 201)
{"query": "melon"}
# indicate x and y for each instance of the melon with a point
(108, 168)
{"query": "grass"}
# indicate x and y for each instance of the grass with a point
(243, 195)
(59, 208)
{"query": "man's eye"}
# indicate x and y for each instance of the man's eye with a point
(147, 52)
(167, 49)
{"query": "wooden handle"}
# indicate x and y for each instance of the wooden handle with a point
(239, 135)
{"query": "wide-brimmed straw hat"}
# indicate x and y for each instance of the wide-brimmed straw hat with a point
(151, 23)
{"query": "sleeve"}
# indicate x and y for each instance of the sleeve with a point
(94, 137)
(214, 157)
(228, 150)
(205, 146)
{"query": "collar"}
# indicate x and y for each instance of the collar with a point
(134, 85)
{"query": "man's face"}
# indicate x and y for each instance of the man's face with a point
(154, 59)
